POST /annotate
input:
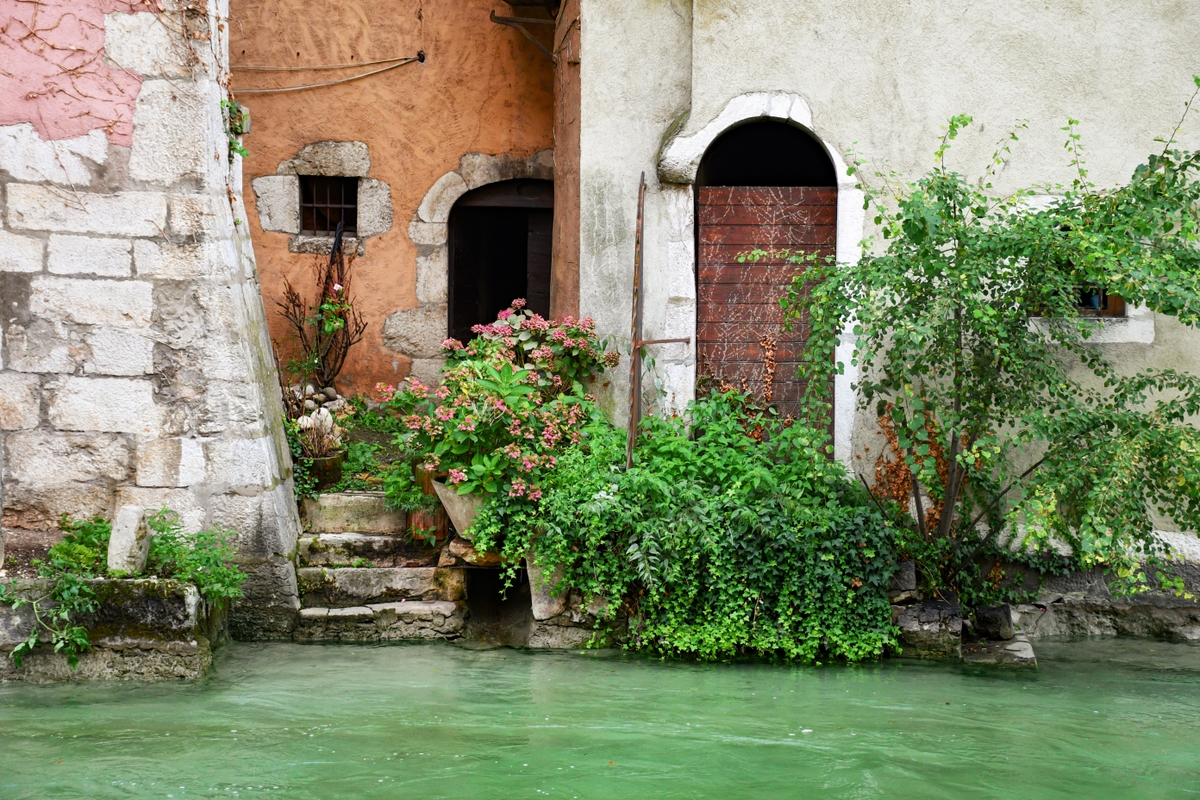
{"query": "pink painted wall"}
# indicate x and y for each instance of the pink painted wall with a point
(53, 72)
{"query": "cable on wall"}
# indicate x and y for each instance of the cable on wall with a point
(399, 62)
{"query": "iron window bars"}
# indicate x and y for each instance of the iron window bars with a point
(326, 201)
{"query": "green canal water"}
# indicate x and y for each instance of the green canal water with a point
(1099, 719)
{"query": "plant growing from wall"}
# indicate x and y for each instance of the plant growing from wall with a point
(237, 124)
(204, 559)
(1008, 422)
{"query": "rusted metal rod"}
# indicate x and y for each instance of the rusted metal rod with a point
(519, 23)
(635, 336)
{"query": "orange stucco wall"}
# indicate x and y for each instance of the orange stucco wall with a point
(483, 88)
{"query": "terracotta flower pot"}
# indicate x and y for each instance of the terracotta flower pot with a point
(462, 508)
(326, 471)
(419, 522)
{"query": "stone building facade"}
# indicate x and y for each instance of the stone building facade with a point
(136, 358)
(135, 365)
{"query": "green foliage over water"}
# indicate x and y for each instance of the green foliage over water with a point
(733, 534)
(1006, 422)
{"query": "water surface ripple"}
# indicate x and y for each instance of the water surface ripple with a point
(1099, 719)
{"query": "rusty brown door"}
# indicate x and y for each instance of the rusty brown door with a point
(738, 314)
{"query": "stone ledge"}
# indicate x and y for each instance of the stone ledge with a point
(343, 549)
(344, 587)
(144, 629)
(1015, 652)
(1153, 614)
(382, 622)
(932, 630)
(352, 512)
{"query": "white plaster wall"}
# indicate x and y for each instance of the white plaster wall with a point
(635, 73)
(879, 78)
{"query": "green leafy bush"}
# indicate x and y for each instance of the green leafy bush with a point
(1007, 423)
(732, 534)
(204, 559)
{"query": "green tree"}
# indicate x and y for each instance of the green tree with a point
(971, 348)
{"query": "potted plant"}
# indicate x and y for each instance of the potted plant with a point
(322, 332)
(509, 400)
(321, 446)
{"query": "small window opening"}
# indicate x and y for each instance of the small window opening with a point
(325, 201)
(1097, 302)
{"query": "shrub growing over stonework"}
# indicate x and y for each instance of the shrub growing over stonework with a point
(733, 534)
(204, 559)
(1007, 423)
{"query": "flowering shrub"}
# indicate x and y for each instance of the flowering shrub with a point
(510, 400)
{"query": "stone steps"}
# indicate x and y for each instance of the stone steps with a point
(345, 587)
(362, 550)
(352, 512)
(382, 622)
(362, 579)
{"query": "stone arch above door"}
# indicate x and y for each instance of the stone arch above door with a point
(678, 163)
(418, 332)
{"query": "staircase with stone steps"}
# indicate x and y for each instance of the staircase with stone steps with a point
(362, 579)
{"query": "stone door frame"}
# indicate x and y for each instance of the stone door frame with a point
(677, 166)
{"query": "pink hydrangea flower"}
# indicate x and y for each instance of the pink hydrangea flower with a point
(451, 344)
(456, 476)
(505, 314)
(518, 303)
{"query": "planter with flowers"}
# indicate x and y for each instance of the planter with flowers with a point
(509, 401)
(320, 441)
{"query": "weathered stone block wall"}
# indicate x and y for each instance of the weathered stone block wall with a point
(135, 366)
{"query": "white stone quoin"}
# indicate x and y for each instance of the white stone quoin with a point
(129, 544)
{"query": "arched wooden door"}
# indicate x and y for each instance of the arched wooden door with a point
(739, 322)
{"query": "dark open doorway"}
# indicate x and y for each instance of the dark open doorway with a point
(499, 251)
(498, 614)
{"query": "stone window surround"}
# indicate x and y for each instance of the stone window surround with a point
(418, 332)
(277, 197)
(678, 162)
(1136, 327)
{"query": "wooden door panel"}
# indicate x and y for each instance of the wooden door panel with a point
(738, 301)
(767, 235)
(768, 195)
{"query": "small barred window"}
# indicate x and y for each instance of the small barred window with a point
(325, 201)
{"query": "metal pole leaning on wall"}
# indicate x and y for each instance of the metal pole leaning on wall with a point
(637, 343)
